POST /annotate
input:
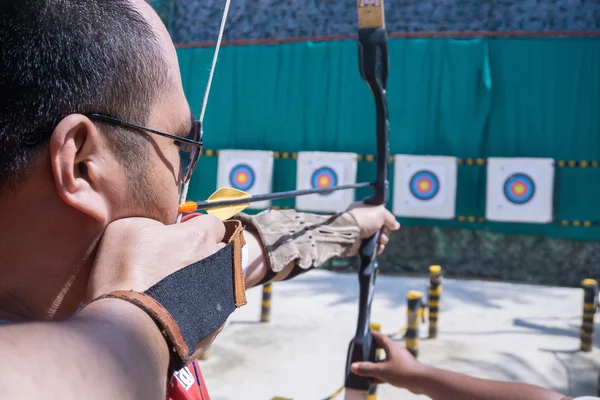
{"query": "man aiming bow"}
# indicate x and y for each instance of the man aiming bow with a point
(96, 138)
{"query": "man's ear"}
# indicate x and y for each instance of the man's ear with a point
(80, 163)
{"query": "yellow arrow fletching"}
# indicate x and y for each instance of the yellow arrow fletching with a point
(223, 212)
(227, 212)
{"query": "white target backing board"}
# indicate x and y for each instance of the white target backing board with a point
(247, 170)
(425, 186)
(520, 189)
(322, 170)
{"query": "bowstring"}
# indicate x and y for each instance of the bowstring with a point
(186, 186)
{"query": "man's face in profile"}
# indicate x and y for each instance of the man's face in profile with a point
(64, 174)
(158, 198)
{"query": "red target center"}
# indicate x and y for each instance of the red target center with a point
(424, 185)
(324, 181)
(242, 178)
(518, 188)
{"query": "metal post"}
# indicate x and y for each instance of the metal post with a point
(265, 314)
(204, 355)
(590, 294)
(433, 299)
(598, 387)
(414, 313)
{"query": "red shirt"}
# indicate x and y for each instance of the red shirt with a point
(188, 384)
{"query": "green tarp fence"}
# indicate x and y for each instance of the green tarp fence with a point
(466, 98)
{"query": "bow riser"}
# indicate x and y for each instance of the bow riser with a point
(373, 65)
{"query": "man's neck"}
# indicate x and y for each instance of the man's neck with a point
(45, 259)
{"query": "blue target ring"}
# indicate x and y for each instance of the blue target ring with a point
(324, 177)
(424, 185)
(519, 188)
(242, 177)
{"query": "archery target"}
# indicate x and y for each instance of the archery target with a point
(242, 177)
(425, 186)
(324, 177)
(322, 170)
(520, 190)
(247, 170)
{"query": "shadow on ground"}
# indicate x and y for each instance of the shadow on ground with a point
(395, 288)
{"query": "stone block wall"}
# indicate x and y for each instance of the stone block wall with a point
(198, 20)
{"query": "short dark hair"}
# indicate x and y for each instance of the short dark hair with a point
(58, 57)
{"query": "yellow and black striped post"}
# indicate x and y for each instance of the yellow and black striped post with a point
(204, 355)
(373, 390)
(433, 298)
(590, 294)
(265, 313)
(414, 313)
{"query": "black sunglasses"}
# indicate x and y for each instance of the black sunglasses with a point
(190, 146)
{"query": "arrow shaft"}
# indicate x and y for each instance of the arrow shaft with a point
(205, 205)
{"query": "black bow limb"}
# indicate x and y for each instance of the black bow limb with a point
(373, 64)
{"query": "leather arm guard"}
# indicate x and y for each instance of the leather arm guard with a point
(195, 301)
(307, 240)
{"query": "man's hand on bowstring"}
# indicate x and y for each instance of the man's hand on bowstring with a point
(371, 219)
(136, 253)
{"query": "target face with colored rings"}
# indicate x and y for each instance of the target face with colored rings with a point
(324, 177)
(424, 185)
(519, 188)
(242, 177)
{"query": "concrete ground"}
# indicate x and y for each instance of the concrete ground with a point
(494, 330)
